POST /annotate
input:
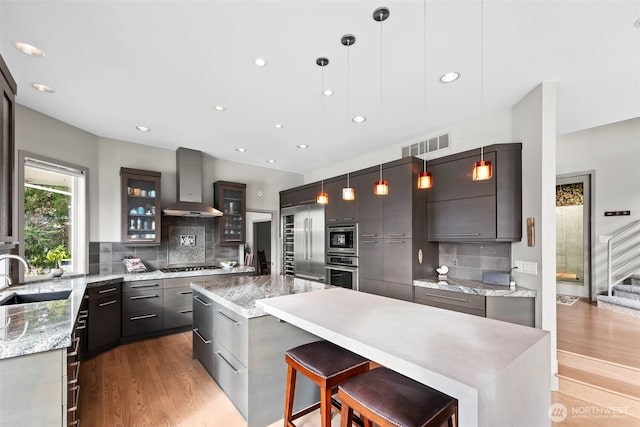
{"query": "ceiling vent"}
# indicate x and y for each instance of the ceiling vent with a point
(429, 145)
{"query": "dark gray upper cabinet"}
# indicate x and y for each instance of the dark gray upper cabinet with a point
(339, 211)
(369, 207)
(300, 195)
(8, 232)
(463, 210)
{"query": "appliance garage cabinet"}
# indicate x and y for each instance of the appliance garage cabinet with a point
(463, 210)
(8, 216)
(230, 198)
(141, 213)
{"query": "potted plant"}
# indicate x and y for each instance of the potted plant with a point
(56, 256)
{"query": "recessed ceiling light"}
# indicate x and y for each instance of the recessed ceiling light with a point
(359, 119)
(219, 108)
(143, 128)
(328, 92)
(42, 87)
(260, 62)
(241, 149)
(449, 77)
(29, 49)
(271, 161)
(302, 146)
(637, 24)
(277, 126)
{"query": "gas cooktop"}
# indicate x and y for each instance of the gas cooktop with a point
(189, 268)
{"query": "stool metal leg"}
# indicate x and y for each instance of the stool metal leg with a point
(291, 390)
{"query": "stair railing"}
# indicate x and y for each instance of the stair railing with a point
(623, 254)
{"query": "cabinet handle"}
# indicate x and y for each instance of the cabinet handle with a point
(185, 311)
(369, 235)
(76, 371)
(395, 234)
(145, 286)
(76, 393)
(74, 352)
(332, 220)
(144, 316)
(206, 304)
(445, 297)
(233, 368)
(396, 242)
(108, 303)
(82, 324)
(458, 234)
(83, 314)
(104, 291)
(186, 293)
(307, 201)
(348, 218)
(195, 331)
(144, 297)
(227, 317)
(369, 241)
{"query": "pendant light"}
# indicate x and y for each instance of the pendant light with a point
(482, 170)
(424, 180)
(348, 193)
(380, 187)
(322, 198)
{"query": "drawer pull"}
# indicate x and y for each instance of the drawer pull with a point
(75, 390)
(144, 316)
(82, 324)
(396, 242)
(395, 234)
(332, 220)
(233, 368)
(186, 292)
(348, 218)
(104, 291)
(458, 234)
(185, 311)
(231, 319)
(195, 331)
(108, 303)
(445, 297)
(145, 286)
(206, 304)
(76, 371)
(83, 314)
(144, 297)
(369, 235)
(76, 343)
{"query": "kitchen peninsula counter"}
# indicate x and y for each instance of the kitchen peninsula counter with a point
(474, 287)
(499, 372)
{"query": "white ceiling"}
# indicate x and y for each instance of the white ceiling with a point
(166, 64)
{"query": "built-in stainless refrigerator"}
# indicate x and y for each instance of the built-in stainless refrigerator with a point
(303, 245)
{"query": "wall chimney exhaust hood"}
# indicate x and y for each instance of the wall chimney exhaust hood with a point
(189, 188)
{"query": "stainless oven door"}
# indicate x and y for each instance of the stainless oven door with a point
(342, 276)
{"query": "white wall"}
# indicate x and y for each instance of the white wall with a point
(613, 152)
(534, 123)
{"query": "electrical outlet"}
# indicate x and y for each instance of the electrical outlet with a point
(455, 262)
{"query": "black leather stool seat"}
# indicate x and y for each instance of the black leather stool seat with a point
(325, 359)
(398, 400)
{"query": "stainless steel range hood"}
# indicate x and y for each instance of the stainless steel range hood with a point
(189, 174)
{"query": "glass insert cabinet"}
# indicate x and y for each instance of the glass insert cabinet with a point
(230, 199)
(140, 206)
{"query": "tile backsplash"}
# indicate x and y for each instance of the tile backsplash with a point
(472, 258)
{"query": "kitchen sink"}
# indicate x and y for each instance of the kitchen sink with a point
(14, 299)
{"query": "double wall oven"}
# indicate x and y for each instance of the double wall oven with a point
(341, 267)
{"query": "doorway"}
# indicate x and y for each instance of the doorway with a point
(260, 239)
(574, 235)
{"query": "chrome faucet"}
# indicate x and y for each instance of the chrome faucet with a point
(11, 256)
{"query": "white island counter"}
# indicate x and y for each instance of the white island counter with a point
(498, 371)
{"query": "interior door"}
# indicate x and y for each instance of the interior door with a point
(573, 235)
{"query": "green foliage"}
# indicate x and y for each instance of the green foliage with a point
(58, 254)
(46, 226)
(569, 195)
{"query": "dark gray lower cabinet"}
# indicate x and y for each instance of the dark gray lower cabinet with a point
(246, 358)
(142, 307)
(104, 317)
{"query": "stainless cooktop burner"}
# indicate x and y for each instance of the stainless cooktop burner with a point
(189, 268)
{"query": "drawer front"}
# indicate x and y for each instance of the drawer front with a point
(231, 331)
(203, 314)
(232, 377)
(105, 291)
(203, 350)
(458, 299)
(142, 300)
(458, 308)
(177, 317)
(175, 297)
(141, 322)
(142, 284)
(179, 282)
(105, 317)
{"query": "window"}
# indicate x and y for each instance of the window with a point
(54, 217)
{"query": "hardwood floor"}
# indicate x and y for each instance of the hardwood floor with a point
(586, 329)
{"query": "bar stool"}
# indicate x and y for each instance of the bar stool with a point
(325, 364)
(390, 399)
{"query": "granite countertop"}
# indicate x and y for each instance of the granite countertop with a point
(43, 326)
(239, 294)
(474, 287)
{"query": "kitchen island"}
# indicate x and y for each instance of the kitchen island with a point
(498, 371)
(242, 347)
